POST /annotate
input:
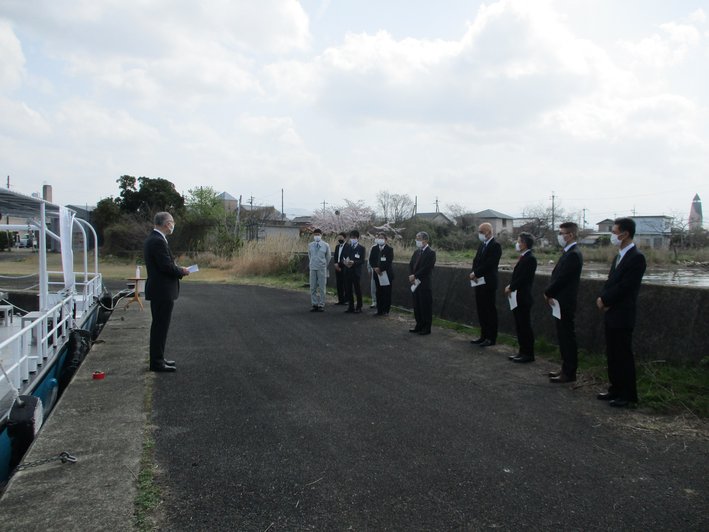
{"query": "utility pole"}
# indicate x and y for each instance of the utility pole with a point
(436, 204)
(416, 205)
(584, 217)
(553, 211)
(323, 207)
(238, 217)
(283, 214)
(8, 182)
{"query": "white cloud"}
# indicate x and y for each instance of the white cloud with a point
(19, 119)
(12, 60)
(241, 96)
(279, 128)
(90, 123)
(667, 48)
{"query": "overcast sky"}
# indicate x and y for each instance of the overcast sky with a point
(496, 104)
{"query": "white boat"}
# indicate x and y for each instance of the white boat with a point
(43, 335)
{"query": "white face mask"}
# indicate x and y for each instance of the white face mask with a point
(353, 241)
(419, 244)
(562, 241)
(615, 240)
(517, 248)
(379, 241)
(317, 238)
(481, 236)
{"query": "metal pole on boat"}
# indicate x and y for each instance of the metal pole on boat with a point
(43, 277)
(91, 227)
(75, 220)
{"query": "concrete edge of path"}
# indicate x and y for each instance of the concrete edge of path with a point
(101, 423)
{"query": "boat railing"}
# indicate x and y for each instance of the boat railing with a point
(35, 344)
(88, 292)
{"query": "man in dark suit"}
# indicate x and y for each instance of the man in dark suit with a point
(339, 273)
(420, 272)
(353, 254)
(485, 265)
(521, 283)
(162, 288)
(618, 301)
(564, 288)
(380, 259)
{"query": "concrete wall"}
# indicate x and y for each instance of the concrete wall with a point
(672, 321)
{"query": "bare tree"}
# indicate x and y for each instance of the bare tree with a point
(394, 208)
(462, 216)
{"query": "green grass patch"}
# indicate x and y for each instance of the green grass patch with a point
(149, 495)
(673, 389)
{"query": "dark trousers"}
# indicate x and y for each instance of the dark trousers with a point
(523, 324)
(352, 286)
(487, 312)
(383, 297)
(621, 363)
(423, 308)
(161, 311)
(566, 333)
(340, 281)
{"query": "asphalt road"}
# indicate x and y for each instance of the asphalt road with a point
(282, 419)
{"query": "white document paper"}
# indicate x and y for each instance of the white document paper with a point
(384, 279)
(512, 298)
(193, 268)
(479, 282)
(415, 285)
(555, 308)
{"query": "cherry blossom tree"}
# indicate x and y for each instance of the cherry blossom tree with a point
(351, 215)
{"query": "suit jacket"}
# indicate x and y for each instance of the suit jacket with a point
(565, 278)
(523, 277)
(383, 259)
(486, 262)
(421, 266)
(163, 274)
(620, 293)
(336, 253)
(356, 254)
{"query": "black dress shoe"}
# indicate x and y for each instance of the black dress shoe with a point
(340, 303)
(486, 343)
(414, 330)
(561, 379)
(606, 396)
(621, 403)
(554, 373)
(358, 311)
(321, 309)
(162, 368)
(478, 341)
(512, 357)
(314, 309)
(169, 362)
(424, 332)
(523, 359)
(350, 311)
